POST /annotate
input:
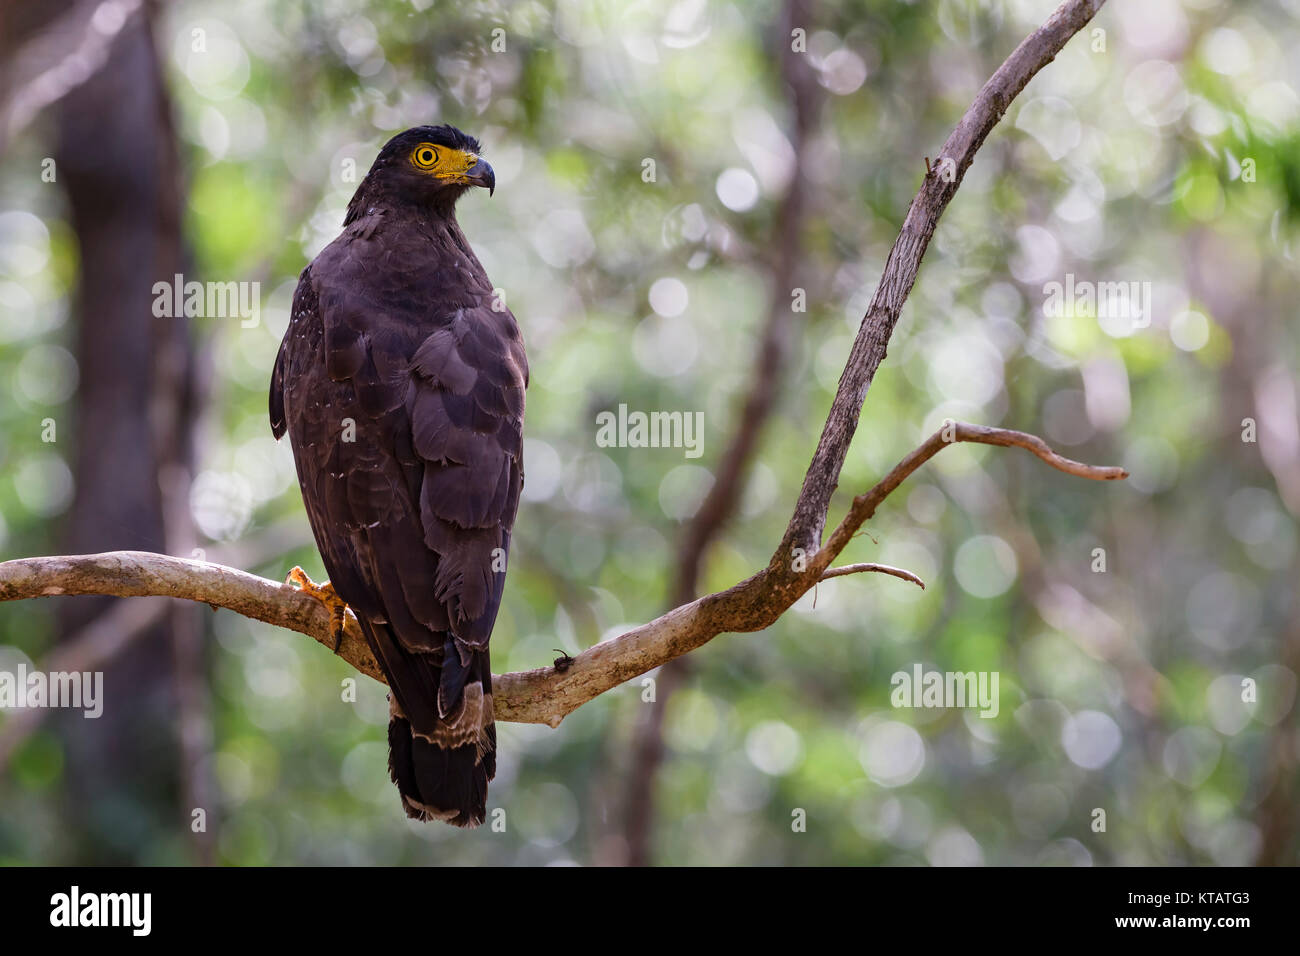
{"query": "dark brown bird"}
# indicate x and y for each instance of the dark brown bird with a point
(400, 383)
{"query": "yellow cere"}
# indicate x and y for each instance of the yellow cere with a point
(443, 162)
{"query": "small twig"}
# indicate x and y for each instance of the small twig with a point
(877, 568)
(864, 506)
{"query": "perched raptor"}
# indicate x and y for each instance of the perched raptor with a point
(400, 383)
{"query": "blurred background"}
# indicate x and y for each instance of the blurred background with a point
(691, 216)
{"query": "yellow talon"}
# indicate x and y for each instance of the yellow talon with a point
(326, 594)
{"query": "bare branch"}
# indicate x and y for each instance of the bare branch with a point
(877, 568)
(864, 506)
(139, 573)
(938, 188)
(545, 695)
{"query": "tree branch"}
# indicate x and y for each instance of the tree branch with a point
(141, 573)
(545, 695)
(937, 189)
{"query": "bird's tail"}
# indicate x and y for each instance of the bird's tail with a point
(440, 761)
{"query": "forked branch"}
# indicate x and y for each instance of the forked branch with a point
(544, 695)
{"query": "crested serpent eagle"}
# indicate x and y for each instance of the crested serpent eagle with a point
(400, 383)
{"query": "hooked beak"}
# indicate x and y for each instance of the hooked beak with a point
(480, 174)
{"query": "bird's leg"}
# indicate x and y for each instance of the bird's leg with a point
(326, 594)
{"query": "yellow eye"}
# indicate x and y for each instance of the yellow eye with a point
(425, 156)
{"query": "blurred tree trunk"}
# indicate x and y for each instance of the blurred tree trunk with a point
(117, 158)
(804, 96)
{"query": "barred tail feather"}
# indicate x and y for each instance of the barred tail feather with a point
(441, 763)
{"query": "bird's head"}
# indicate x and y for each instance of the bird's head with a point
(427, 167)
